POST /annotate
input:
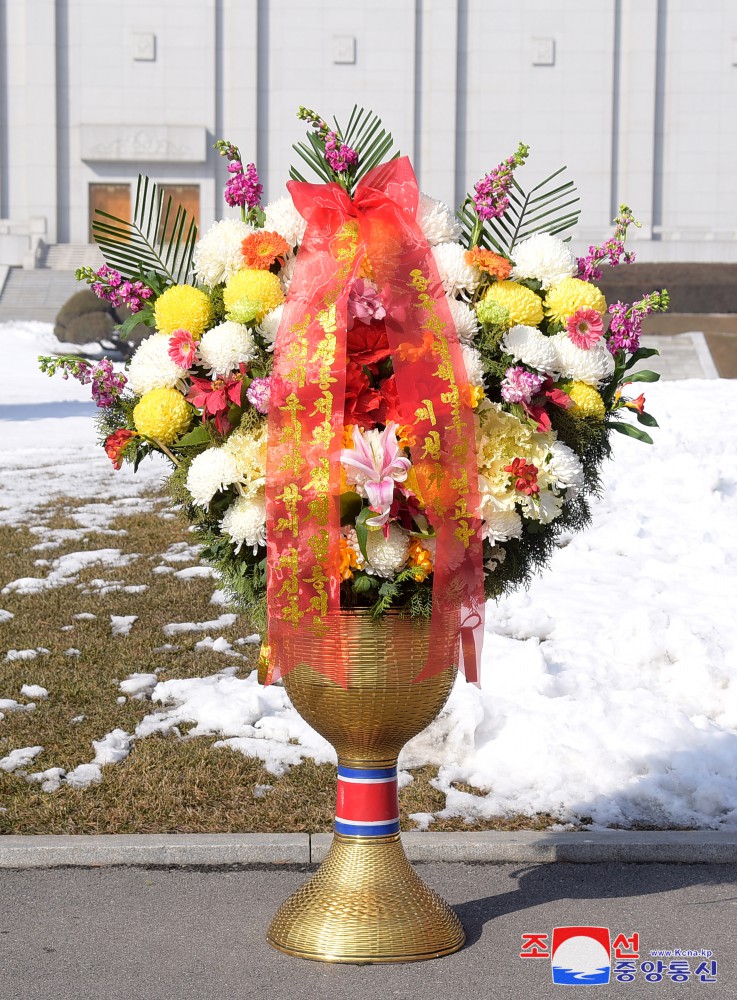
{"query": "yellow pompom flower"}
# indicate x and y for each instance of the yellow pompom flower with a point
(522, 304)
(162, 414)
(586, 401)
(183, 307)
(261, 288)
(570, 295)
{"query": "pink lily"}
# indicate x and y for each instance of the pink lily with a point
(377, 464)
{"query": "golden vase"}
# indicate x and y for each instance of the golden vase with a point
(366, 903)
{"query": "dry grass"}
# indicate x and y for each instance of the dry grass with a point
(166, 784)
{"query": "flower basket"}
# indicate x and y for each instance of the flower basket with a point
(380, 415)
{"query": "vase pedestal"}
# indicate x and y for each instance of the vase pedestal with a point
(366, 903)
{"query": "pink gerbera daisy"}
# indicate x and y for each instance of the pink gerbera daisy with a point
(585, 328)
(182, 348)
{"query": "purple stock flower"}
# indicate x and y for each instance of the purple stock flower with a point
(340, 157)
(107, 385)
(612, 252)
(520, 385)
(108, 284)
(491, 199)
(625, 326)
(243, 188)
(258, 394)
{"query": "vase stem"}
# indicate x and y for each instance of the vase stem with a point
(367, 803)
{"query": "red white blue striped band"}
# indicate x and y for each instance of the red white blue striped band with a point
(367, 804)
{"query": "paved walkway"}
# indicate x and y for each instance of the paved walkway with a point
(152, 934)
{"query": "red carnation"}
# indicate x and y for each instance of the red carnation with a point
(367, 345)
(362, 403)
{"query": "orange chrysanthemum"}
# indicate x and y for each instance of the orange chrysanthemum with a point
(492, 263)
(263, 248)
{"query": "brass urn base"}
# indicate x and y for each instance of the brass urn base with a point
(366, 904)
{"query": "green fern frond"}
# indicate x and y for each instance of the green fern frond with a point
(148, 242)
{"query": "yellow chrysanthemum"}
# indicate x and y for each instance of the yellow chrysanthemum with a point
(522, 304)
(586, 401)
(163, 414)
(262, 288)
(183, 307)
(248, 448)
(570, 295)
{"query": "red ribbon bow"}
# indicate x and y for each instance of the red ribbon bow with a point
(377, 228)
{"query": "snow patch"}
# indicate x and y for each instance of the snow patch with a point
(34, 691)
(122, 624)
(19, 758)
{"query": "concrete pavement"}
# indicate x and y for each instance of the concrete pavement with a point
(137, 934)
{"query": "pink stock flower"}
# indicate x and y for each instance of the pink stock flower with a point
(376, 463)
(585, 328)
(182, 348)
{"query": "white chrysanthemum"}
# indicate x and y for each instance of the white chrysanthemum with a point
(464, 318)
(532, 348)
(564, 470)
(474, 365)
(437, 222)
(544, 506)
(545, 258)
(245, 522)
(269, 325)
(283, 218)
(218, 255)
(285, 275)
(456, 275)
(593, 366)
(499, 525)
(223, 348)
(151, 367)
(387, 556)
(210, 471)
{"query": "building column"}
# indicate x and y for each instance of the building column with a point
(31, 112)
(634, 121)
(436, 96)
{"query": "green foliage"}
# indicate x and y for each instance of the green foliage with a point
(546, 208)
(364, 133)
(155, 240)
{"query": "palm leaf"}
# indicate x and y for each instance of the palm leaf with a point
(364, 133)
(148, 242)
(546, 208)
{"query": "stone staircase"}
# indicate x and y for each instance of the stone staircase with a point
(39, 294)
(70, 256)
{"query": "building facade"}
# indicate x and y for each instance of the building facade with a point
(638, 97)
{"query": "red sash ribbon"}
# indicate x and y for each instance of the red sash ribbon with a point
(306, 413)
